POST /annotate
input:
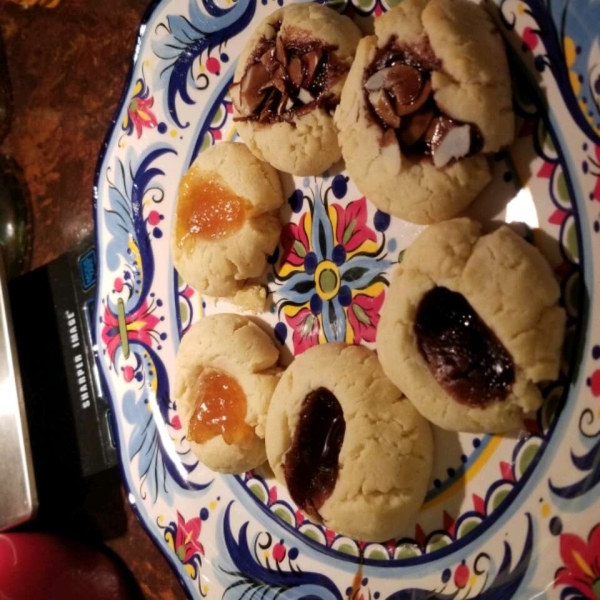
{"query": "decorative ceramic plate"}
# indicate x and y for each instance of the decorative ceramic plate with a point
(513, 516)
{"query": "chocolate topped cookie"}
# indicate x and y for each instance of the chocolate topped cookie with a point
(351, 449)
(471, 323)
(288, 83)
(426, 98)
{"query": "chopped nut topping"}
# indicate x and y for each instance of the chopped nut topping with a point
(398, 89)
(287, 78)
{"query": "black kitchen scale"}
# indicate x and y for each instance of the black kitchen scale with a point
(68, 424)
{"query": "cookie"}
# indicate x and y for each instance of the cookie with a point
(470, 324)
(288, 83)
(226, 371)
(227, 222)
(427, 97)
(352, 451)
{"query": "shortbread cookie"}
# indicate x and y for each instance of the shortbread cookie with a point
(226, 222)
(226, 373)
(426, 98)
(288, 83)
(470, 324)
(352, 451)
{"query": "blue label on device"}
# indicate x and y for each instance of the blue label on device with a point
(87, 269)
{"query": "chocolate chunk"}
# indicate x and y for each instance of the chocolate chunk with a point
(414, 127)
(295, 71)
(380, 101)
(404, 82)
(415, 105)
(269, 61)
(278, 84)
(312, 462)
(269, 107)
(462, 352)
(250, 88)
(310, 60)
(280, 52)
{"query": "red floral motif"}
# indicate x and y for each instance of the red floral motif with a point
(595, 170)
(139, 115)
(352, 229)
(595, 383)
(138, 326)
(278, 552)
(582, 563)
(306, 330)
(294, 242)
(363, 315)
(186, 542)
(331, 270)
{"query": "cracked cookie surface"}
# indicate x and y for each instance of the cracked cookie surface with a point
(385, 448)
(470, 325)
(287, 84)
(227, 223)
(426, 98)
(229, 353)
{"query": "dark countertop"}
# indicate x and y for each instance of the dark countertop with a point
(67, 67)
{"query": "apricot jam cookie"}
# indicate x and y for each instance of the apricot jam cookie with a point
(470, 324)
(288, 83)
(227, 222)
(225, 376)
(426, 99)
(351, 449)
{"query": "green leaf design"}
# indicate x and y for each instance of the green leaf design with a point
(561, 187)
(351, 226)
(299, 249)
(347, 549)
(258, 491)
(361, 314)
(437, 543)
(407, 552)
(183, 312)
(354, 274)
(283, 515)
(499, 499)
(218, 116)
(309, 533)
(571, 241)
(467, 527)
(527, 457)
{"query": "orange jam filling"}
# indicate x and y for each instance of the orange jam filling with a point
(220, 409)
(207, 209)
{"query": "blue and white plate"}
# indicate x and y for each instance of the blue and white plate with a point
(513, 516)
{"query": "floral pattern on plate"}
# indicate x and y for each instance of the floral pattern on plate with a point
(505, 516)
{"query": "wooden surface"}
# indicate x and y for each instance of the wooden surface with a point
(67, 67)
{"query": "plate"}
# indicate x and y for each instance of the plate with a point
(505, 516)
